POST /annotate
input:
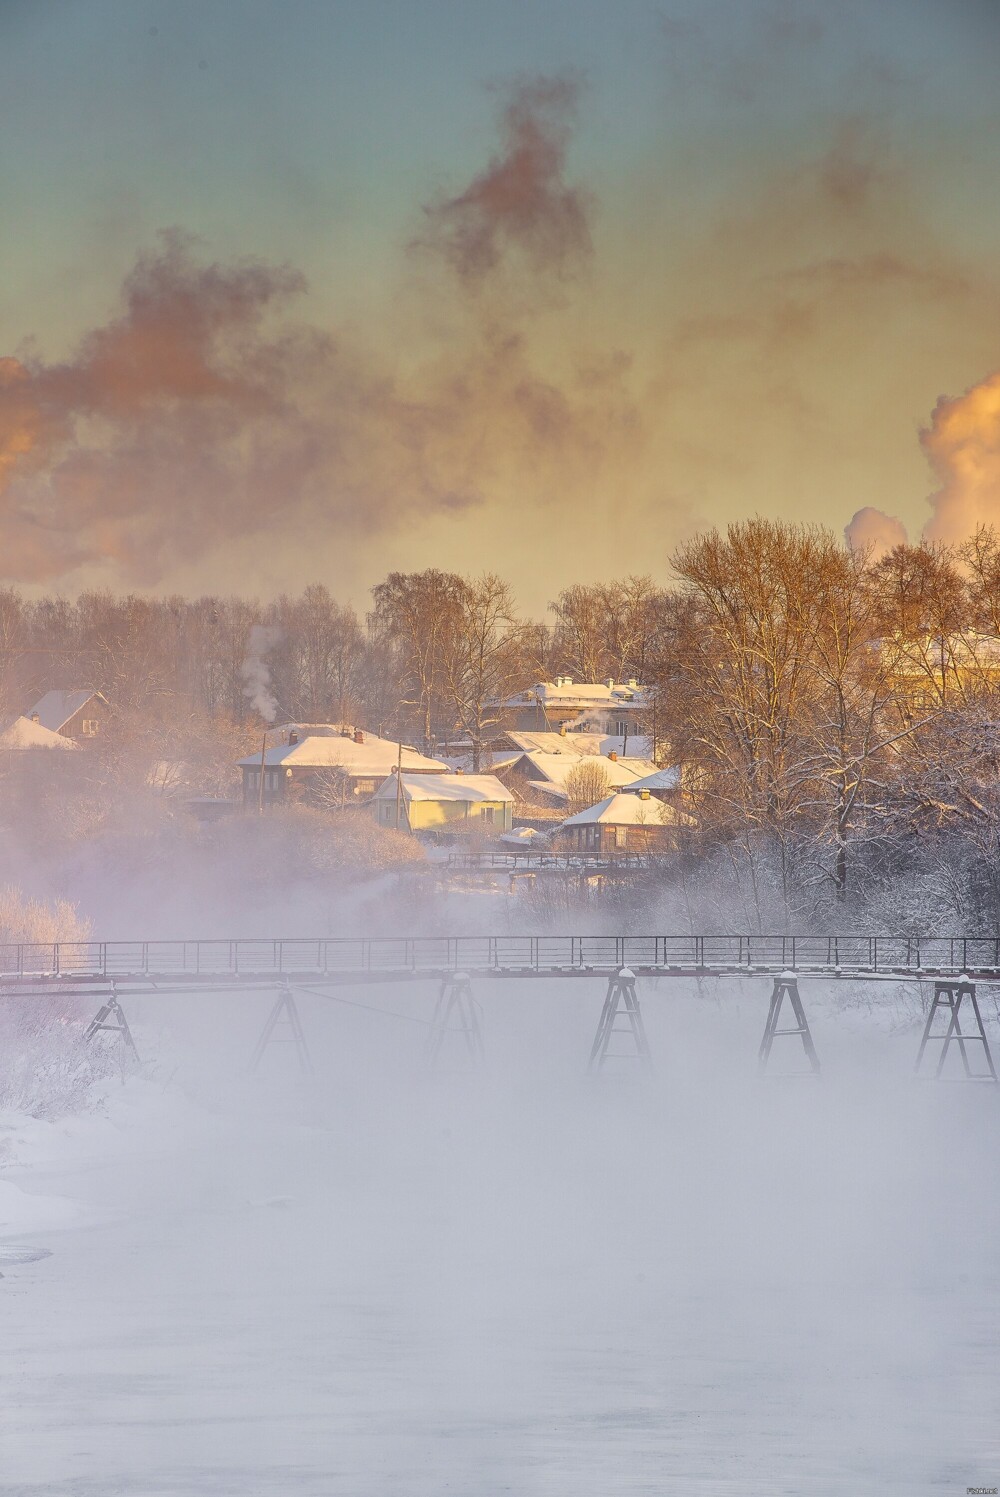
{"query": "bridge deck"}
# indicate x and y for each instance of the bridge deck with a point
(389, 958)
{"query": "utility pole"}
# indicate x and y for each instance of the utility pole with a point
(260, 787)
(399, 774)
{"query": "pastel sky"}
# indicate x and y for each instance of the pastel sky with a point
(300, 291)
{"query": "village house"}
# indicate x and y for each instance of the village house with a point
(579, 741)
(617, 708)
(623, 823)
(942, 669)
(78, 714)
(443, 802)
(664, 784)
(540, 779)
(327, 763)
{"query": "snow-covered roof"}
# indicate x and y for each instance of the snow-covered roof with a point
(663, 779)
(24, 734)
(452, 787)
(523, 836)
(462, 763)
(623, 809)
(554, 769)
(375, 757)
(57, 707)
(565, 692)
(581, 743)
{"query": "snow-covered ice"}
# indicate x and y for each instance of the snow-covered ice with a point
(529, 1283)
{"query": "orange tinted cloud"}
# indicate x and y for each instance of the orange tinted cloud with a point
(962, 445)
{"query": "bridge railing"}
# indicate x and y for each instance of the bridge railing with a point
(401, 954)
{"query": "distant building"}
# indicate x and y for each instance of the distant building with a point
(943, 669)
(613, 707)
(576, 741)
(541, 778)
(327, 762)
(623, 823)
(664, 784)
(79, 714)
(439, 802)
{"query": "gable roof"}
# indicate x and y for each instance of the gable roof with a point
(579, 743)
(668, 778)
(624, 809)
(22, 733)
(450, 787)
(564, 691)
(376, 757)
(551, 771)
(55, 708)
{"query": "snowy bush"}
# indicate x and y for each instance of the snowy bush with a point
(46, 1068)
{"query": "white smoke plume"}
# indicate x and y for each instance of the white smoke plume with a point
(962, 445)
(256, 672)
(872, 528)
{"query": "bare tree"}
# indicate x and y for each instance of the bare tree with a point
(420, 613)
(317, 665)
(581, 636)
(488, 657)
(586, 784)
(744, 682)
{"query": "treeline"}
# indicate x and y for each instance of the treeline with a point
(430, 659)
(836, 715)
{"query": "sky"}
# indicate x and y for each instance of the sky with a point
(303, 291)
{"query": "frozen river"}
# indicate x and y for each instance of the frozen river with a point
(386, 1285)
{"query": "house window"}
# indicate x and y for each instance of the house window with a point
(88, 727)
(253, 779)
(270, 779)
(488, 814)
(365, 787)
(621, 727)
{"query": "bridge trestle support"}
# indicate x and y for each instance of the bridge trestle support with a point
(111, 1017)
(787, 986)
(950, 996)
(456, 1016)
(283, 1023)
(621, 1003)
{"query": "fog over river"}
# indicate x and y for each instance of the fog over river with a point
(382, 1281)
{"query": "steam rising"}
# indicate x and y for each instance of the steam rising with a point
(202, 414)
(962, 444)
(256, 672)
(869, 527)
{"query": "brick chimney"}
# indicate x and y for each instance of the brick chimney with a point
(359, 737)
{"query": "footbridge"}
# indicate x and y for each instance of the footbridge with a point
(952, 966)
(352, 960)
